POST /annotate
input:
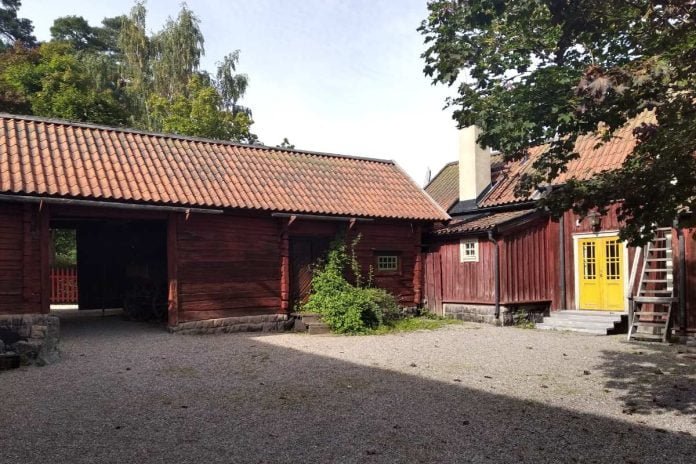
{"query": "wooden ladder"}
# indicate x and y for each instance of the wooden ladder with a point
(651, 307)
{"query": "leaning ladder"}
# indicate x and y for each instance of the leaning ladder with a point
(651, 308)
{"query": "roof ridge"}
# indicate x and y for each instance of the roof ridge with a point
(130, 130)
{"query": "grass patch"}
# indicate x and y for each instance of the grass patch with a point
(410, 324)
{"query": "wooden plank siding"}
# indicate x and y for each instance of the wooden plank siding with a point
(468, 282)
(690, 290)
(402, 239)
(24, 286)
(574, 224)
(228, 266)
(527, 258)
(234, 265)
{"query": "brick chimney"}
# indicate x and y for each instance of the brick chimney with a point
(474, 165)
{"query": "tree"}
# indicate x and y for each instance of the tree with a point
(54, 83)
(13, 29)
(199, 112)
(230, 85)
(286, 144)
(76, 31)
(535, 72)
(177, 51)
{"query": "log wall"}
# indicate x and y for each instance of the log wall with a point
(227, 266)
(24, 285)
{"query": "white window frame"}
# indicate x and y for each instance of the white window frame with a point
(392, 258)
(465, 255)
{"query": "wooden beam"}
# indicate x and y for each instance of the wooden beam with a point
(418, 267)
(285, 267)
(173, 270)
(45, 246)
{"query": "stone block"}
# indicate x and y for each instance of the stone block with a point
(38, 331)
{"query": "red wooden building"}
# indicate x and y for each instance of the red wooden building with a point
(500, 254)
(207, 229)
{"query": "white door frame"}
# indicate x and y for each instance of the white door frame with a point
(576, 270)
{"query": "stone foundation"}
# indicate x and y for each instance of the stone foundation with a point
(34, 337)
(473, 312)
(264, 323)
(509, 315)
(533, 313)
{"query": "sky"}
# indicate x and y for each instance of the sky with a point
(338, 76)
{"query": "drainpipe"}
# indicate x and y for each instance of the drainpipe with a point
(561, 262)
(496, 273)
(682, 278)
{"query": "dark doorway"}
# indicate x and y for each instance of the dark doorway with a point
(305, 253)
(122, 264)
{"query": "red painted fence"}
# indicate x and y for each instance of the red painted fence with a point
(63, 285)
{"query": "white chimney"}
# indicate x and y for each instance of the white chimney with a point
(474, 165)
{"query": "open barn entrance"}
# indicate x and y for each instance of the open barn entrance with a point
(120, 264)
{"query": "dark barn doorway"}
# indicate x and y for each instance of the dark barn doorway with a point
(121, 264)
(305, 253)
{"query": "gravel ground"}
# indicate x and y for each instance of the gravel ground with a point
(127, 392)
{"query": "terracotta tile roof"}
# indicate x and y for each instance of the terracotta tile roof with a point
(480, 222)
(63, 159)
(591, 161)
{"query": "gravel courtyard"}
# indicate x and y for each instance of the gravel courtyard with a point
(127, 392)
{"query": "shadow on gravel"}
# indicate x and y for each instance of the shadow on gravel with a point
(125, 392)
(652, 379)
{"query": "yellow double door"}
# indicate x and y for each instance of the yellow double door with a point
(601, 273)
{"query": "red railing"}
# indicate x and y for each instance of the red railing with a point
(63, 285)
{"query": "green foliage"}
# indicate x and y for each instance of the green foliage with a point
(77, 32)
(14, 30)
(64, 247)
(534, 72)
(286, 144)
(347, 307)
(54, 83)
(117, 74)
(410, 324)
(198, 113)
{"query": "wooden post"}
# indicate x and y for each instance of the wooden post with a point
(172, 270)
(45, 247)
(418, 268)
(285, 268)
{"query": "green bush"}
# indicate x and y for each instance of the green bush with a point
(347, 307)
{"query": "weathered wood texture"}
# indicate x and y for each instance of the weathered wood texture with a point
(527, 264)
(574, 224)
(468, 282)
(389, 237)
(21, 279)
(690, 290)
(173, 269)
(228, 266)
(432, 282)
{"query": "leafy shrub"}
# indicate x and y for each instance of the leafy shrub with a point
(388, 306)
(347, 307)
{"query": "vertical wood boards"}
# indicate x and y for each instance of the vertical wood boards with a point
(172, 270)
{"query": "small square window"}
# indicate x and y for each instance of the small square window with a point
(387, 263)
(468, 251)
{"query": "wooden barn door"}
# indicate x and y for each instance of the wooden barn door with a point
(305, 252)
(432, 284)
